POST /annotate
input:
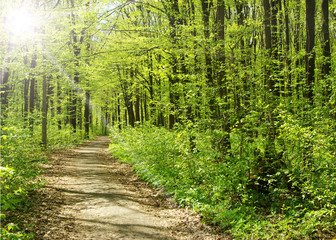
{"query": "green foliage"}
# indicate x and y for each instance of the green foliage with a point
(21, 156)
(301, 202)
(12, 232)
(251, 149)
(19, 177)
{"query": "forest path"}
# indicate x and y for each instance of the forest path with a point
(92, 196)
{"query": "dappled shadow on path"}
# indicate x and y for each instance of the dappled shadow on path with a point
(119, 198)
(100, 205)
(139, 231)
(92, 196)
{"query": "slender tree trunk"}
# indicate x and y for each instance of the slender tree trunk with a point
(73, 110)
(151, 86)
(224, 144)
(297, 32)
(107, 122)
(32, 93)
(87, 115)
(4, 90)
(174, 22)
(59, 104)
(276, 47)
(130, 112)
(267, 25)
(44, 111)
(126, 117)
(51, 97)
(25, 94)
(4, 87)
(77, 40)
(326, 65)
(287, 54)
(137, 107)
(145, 107)
(79, 114)
(172, 100)
(310, 53)
(119, 114)
(25, 97)
(206, 8)
(142, 110)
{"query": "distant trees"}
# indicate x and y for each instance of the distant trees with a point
(227, 67)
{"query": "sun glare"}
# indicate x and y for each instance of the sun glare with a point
(21, 22)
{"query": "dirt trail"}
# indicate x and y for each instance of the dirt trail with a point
(92, 196)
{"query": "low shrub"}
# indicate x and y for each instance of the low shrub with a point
(219, 188)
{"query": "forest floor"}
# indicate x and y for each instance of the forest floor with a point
(90, 195)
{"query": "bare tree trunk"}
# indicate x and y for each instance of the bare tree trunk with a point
(310, 53)
(44, 111)
(77, 40)
(297, 47)
(287, 56)
(25, 97)
(224, 144)
(25, 94)
(326, 65)
(59, 105)
(130, 111)
(119, 114)
(267, 25)
(87, 115)
(174, 21)
(206, 9)
(142, 110)
(32, 93)
(137, 107)
(4, 88)
(275, 32)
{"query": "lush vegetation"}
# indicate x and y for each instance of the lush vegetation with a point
(298, 204)
(227, 104)
(19, 176)
(21, 159)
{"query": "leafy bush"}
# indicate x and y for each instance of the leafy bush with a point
(19, 168)
(21, 156)
(300, 203)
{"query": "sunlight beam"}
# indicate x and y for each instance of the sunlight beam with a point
(21, 23)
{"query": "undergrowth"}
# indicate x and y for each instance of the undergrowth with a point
(20, 161)
(300, 202)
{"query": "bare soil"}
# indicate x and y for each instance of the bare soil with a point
(90, 195)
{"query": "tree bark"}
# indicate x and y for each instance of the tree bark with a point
(77, 40)
(287, 56)
(174, 21)
(87, 115)
(119, 114)
(267, 26)
(32, 93)
(310, 53)
(276, 47)
(44, 111)
(326, 65)
(4, 88)
(130, 111)
(59, 104)
(25, 94)
(224, 144)
(206, 7)
(137, 107)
